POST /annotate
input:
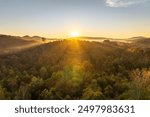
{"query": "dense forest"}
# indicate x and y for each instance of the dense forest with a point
(73, 69)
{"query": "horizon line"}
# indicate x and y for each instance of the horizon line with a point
(82, 36)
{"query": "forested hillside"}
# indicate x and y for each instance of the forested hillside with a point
(73, 69)
(7, 41)
(10, 44)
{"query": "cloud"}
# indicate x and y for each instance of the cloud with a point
(123, 3)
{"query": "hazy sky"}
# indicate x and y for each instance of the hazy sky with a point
(58, 18)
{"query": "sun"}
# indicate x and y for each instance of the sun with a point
(74, 34)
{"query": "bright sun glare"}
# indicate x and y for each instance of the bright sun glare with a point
(74, 34)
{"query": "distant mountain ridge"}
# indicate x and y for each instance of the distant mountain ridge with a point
(86, 37)
(33, 37)
(10, 43)
(14, 40)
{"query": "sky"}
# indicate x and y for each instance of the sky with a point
(59, 18)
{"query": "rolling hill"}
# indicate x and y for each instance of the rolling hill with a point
(9, 44)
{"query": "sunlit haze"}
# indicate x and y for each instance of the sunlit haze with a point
(74, 34)
(57, 18)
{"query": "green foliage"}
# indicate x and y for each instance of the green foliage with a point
(2, 93)
(90, 94)
(45, 94)
(140, 86)
(76, 70)
(43, 72)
